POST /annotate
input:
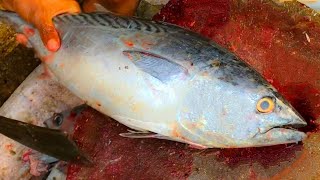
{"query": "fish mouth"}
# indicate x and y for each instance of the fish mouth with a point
(293, 127)
(294, 124)
(283, 134)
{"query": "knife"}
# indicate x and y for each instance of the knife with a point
(48, 141)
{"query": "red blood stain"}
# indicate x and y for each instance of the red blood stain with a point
(25, 155)
(28, 31)
(196, 14)
(22, 39)
(46, 73)
(252, 174)
(9, 147)
(123, 158)
(48, 58)
(116, 157)
(72, 115)
(265, 156)
(128, 42)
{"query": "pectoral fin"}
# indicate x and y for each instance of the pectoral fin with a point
(157, 66)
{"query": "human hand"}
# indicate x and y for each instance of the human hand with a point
(40, 14)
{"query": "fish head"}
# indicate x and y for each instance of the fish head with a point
(233, 106)
(254, 116)
(274, 119)
(65, 120)
(252, 112)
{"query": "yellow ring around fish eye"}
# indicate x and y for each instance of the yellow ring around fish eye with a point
(265, 105)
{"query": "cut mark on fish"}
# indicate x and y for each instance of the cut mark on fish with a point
(157, 66)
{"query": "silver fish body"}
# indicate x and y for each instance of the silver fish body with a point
(157, 77)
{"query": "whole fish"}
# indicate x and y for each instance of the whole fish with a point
(165, 82)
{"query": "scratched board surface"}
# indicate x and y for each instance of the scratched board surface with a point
(281, 42)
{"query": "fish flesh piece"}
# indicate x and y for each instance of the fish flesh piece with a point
(34, 101)
(160, 78)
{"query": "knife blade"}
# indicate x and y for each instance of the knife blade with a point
(48, 141)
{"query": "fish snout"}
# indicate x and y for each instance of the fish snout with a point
(293, 117)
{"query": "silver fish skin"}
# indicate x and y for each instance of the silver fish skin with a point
(161, 78)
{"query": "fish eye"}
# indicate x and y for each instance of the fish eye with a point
(266, 105)
(58, 119)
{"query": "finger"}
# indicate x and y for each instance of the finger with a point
(49, 36)
(48, 32)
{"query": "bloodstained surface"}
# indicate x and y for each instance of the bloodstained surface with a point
(282, 43)
(116, 157)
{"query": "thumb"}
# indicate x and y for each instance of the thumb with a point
(48, 32)
(49, 36)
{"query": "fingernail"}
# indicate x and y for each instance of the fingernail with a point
(53, 45)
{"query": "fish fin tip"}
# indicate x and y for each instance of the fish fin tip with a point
(139, 134)
(197, 146)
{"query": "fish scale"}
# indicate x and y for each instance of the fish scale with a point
(181, 86)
